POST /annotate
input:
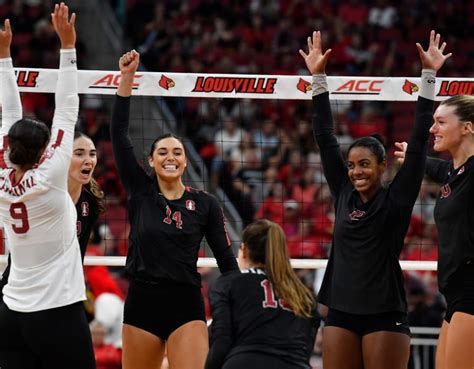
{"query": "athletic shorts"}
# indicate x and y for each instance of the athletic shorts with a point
(370, 323)
(254, 360)
(459, 293)
(160, 308)
(56, 338)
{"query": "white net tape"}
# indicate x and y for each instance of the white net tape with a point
(119, 261)
(244, 86)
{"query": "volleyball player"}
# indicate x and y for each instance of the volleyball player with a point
(363, 287)
(84, 191)
(168, 220)
(453, 131)
(263, 317)
(42, 313)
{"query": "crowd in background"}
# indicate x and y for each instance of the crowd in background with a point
(262, 153)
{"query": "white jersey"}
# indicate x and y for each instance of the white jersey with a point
(37, 212)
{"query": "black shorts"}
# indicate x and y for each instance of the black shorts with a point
(370, 323)
(257, 360)
(161, 308)
(55, 339)
(459, 293)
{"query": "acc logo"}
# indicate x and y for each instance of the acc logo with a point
(166, 82)
(111, 81)
(451, 88)
(444, 191)
(26, 78)
(235, 84)
(304, 86)
(410, 87)
(190, 205)
(360, 87)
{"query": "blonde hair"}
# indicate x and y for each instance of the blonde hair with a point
(463, 107)
(266, 243)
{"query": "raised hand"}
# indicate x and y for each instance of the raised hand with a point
(64, 26)
(433, 58)
(315, 59)
(400, 153)
(5, 40)
(128, 63)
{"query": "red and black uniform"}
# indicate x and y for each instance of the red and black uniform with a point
(165, 237)
(252, 328)
(454, 217)
(363, 277)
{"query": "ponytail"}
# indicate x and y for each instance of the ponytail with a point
(267, 245)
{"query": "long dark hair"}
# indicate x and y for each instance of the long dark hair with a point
(27, 138)
(266, 243)
(93, 187)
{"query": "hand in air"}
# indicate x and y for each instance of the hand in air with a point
(315, 59)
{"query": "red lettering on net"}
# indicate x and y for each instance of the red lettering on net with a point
(112, 80)
(26, 78)
(452, 88)
(360, 86)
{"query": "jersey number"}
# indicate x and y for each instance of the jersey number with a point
(18, 212)
(176, 216)
(270, 299)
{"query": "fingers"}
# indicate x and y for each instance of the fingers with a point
(310, 44)
(72, 22)
(129, 57)
(303, 54)
(7, 26)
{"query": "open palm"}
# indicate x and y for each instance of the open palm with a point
(433, 58)
(315, 59)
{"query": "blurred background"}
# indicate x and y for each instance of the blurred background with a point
(257, 156)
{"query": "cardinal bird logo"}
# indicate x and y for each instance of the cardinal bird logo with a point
(166, 82)
(304, 86)
(410, 88)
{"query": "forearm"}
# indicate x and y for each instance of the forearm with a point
(9, 95)
(125, 85)
(424, 111)
(66, 97)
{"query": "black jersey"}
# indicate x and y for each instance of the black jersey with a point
(165, 235)
(87, 214)
(454, 217)
(248, 317)
(363, 275)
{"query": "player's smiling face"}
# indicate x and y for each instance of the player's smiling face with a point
(83, 161)
(168, 159)
(365, 172)
(447, 129)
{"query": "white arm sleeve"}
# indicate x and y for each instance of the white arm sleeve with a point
(57, 157)
(9, 96)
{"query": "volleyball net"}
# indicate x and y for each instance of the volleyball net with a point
(270, 168)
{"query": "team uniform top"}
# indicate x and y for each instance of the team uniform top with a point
(165, 235)
(248, 317)
(37, 212)
(87, 214)
(363, 275)
(454, 216)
